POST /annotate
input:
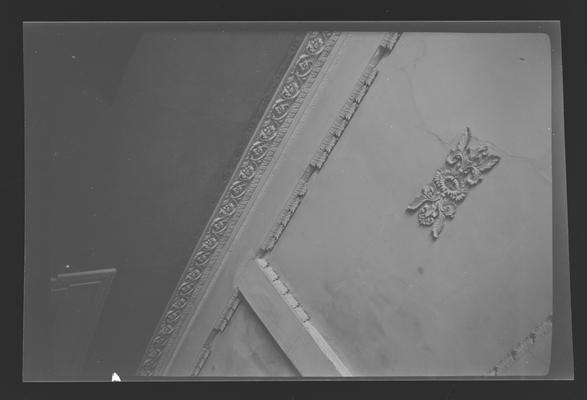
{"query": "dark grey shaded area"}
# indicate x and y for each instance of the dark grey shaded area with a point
(131, 136)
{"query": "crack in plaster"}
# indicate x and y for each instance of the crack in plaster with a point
(422, 124)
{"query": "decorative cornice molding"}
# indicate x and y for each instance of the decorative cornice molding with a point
(330, 140)
(464, 168)
(275, 123)
(335, 132)
(543, 329)
(225, 318)
(288, 211)
(318, 160)
(343, 119)
(283, 290)
(294, 304)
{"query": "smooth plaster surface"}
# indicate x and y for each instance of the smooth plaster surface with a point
(389, 299)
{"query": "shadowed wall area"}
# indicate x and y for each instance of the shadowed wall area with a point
(131, 137)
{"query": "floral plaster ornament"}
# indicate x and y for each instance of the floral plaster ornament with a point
(464, 168)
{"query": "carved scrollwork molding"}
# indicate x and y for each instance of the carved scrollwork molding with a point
(464, 168)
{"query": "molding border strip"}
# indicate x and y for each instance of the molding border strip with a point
(274, 125)
(544, 328)
(335, 132)
(301, 315)
(292, 302)
(330, 140)
(282, 315)
(225, 318)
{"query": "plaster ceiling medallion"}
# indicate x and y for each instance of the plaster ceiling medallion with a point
(463, 169)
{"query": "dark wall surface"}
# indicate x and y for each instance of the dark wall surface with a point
(131, 137)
